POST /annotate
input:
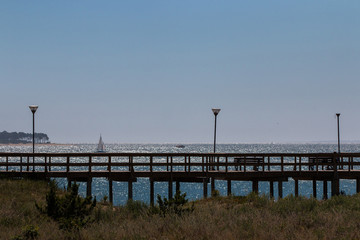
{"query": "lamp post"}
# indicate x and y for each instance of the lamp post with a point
(216, 112)
(338, 130)
(33, 109)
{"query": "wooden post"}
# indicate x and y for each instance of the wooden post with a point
(45, 169)
(170, 193)
(271, 189)
(314, 189)
(185, 166)
(255, 186)
(229, 187)
(151, 162)
(205, 187)
(167, 163)
(202, 160)
(90, 164)
(151, 192)
(69, 185)
(49, 164)
(130, 190)
(296, 187)
(325, 190)
(88, 187)
(280, 189)
(68, 164)
(111, 199)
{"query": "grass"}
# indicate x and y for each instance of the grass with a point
(250, 217)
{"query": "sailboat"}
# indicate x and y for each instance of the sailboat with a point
(101, 146)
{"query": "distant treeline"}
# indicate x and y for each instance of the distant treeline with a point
(21, 137)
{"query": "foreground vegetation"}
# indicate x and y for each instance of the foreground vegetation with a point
(250, 217)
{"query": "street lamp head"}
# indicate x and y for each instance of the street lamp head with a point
(216, 111)
(33, 108)
(338, 114)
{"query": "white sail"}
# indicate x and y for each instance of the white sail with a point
(101, 146)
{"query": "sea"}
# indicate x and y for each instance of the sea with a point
(194, 191)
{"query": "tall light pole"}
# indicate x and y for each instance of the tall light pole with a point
(216, 112)
(338, 130)
(33, 109)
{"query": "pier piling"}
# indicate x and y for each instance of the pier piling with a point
(205, 187)
(325, 190)
(271, 189)
(314, 189)
(229, 187)
(280, 189)
(111, 191)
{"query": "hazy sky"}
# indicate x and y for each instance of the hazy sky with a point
(150, 71)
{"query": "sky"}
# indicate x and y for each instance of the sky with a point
(151, 71)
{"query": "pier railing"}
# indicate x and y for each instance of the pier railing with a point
(178, 162)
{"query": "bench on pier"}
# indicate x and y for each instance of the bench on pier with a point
(326, 162)
(248, 161)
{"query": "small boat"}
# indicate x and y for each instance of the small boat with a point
(180, 146)
(101, 146)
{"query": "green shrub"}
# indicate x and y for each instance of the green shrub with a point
(30, 232)
(215, 193)
(70, 210)
(174, 205)
(136, 208)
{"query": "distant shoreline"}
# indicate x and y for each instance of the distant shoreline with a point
(37, 144)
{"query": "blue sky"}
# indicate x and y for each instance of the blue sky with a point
(150, 71)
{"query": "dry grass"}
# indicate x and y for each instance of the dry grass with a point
(251, 217)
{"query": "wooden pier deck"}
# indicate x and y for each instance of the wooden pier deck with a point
(187, 167)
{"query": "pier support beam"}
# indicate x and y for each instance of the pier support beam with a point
(151, 192)
(255, 186)
(271, 189)
(280, 189)
(111, 191)
(205, 187)
(212, 185)
(170, 192)
(335, 188)
(130, 190)
(177, 186)
(314, 189)
(296, 188)
(325, 190)
(88, 187)
(228, 187)
(69, 185)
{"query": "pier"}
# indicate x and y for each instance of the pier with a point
(204, 168)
